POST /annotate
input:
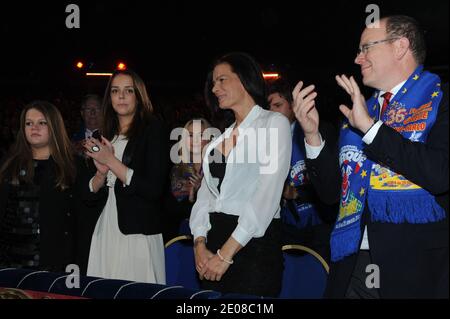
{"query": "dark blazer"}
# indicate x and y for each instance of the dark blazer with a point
(139, 205)
(413, 258)
(80, 135)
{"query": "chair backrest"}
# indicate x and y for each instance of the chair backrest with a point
(180, 263)
(305, 273)
(32, 284)
(184, 228)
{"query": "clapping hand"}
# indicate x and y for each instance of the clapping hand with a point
(104, 153)
(304, 107)
(358, 116)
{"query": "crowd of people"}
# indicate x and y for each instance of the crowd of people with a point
(97, 185)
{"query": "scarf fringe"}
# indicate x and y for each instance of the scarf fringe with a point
(345, 243)
(404, 207)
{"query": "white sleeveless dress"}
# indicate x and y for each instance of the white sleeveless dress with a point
(114, 255)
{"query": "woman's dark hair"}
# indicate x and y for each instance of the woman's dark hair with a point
(250, 75)
(18, 165)
(144, 108)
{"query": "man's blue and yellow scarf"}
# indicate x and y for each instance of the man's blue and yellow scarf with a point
(391, 197)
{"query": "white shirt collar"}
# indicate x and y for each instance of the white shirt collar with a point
(394, 90)
(88, 132)
(254, 112)
(293, 127)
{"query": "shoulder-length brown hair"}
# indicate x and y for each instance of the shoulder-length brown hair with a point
(144, 108)
(18, 165)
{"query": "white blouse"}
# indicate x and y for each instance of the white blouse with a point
(256, 170)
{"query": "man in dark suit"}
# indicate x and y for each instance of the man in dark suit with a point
(389, 170)
(91, 114)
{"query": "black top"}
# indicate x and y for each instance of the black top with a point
(217, 169)
(36, 222)
(20, 229)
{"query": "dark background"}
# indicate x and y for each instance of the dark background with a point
(171, 44)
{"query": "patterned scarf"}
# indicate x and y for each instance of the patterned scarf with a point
(299, 214)
(390, 196)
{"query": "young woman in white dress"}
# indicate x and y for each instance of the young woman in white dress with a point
(132, 165)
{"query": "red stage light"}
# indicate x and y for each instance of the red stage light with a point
(121, 66)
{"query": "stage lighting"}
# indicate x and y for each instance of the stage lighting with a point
(271, 76)
(98, 74)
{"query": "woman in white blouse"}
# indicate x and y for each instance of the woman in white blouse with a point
(128, 186)
(235, 220)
